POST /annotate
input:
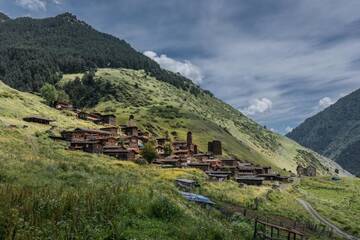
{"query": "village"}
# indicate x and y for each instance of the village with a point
(126, 142)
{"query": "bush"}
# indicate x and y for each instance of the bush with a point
(49, 93)
(149, 152)
(162, 208)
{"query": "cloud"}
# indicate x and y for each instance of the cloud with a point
(185, 68)
(36, 5)
(288, 129)
(259, 106)
(325, 102)
(292, 52)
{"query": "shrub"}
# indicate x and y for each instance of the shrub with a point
(149, 152)
(162, 208)
(49, 93)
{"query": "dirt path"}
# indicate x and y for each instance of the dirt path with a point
(318, 217)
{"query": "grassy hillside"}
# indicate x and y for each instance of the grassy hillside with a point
(47, 191)
(342, 209)
(334, 132)
(160, 107)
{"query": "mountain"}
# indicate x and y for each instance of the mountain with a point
(35, 51)
(3, 17)
(334, 132)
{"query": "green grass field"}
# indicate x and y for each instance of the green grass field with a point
(338, 201)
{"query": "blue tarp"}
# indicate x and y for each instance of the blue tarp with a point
(196, 198)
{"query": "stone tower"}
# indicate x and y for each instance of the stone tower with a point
(189, 139)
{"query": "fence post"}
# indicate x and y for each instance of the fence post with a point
(255, 229)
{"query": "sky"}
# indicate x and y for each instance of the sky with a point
(277, 61)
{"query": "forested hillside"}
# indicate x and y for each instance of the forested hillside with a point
(35, 51)
(335, 132)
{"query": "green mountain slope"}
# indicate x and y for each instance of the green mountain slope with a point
(334, 132)
(160, 107)
(35, 51)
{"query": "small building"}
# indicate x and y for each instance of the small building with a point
(161, 141)
(37, 119)
(94, 117)
(95, 147)
(202, 156)
(132, 142)
(180, 145)
(120, 153)
(64, 106)
(214, 163)
(300, 170)
(108, 119)
(168, 162)
(229, 162)
(309, 171)
(214, 147)
(85, 134)
(181, 153)
(113, 130)
(86, 146)
(186, 184)
(202, 166)
(250, 180)
(218, 176)
(197, 198)
(130, 130)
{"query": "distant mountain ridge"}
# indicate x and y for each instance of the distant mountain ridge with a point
(334, 132)
(3, 17)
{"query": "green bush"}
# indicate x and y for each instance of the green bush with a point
(162, 208)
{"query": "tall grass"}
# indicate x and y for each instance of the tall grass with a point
(105, 212)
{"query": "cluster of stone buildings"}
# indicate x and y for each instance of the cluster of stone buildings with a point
(186, 154)
(122, 142)
(125, 142)
(309, 171)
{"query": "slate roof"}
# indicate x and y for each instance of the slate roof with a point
(196, 198)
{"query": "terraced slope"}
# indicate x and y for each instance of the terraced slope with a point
(161, 107)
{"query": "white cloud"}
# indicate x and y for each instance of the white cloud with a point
(288, 129)
(36, 5)
(258, 106)
(325, 102)
(185, 68)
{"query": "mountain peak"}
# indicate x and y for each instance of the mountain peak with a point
(67, 15)
(70, 18)
(3, 17)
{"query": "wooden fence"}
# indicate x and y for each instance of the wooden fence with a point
(305, 227)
